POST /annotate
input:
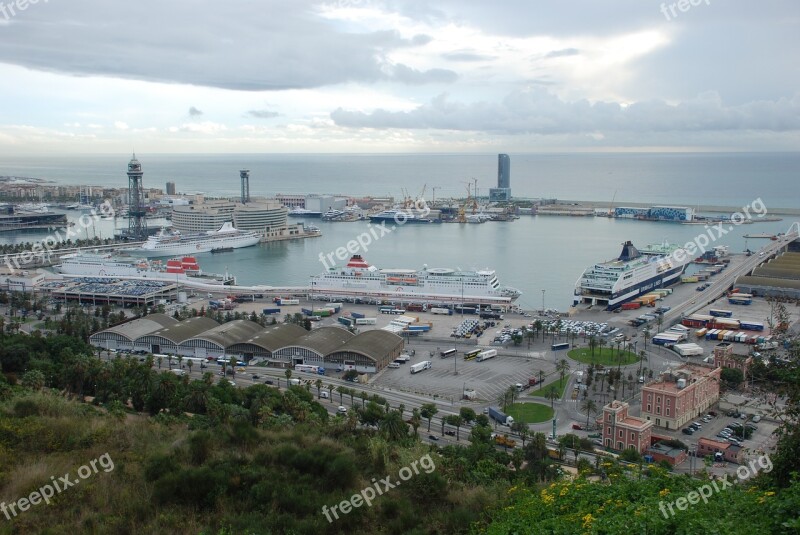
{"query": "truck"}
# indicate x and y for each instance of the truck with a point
(498, 416)
(365, 321)
(284, 302)
(347, 322)
(491, 316)
(420, 366)
(533, 381)
(306, 311)
(268, 311)
(441, 311)
(631, 306)
(579, 377)
(486, 355)
(503, 440)
(357, 315)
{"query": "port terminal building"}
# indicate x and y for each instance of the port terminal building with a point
(658, 213)
(681, 395)
(266, 216)
(779, 277)
(283, 345)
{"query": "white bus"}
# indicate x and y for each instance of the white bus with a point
(448, 353)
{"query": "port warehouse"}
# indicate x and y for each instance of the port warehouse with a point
(283, 345)
(779, 277)
(105, 290)
(661, 213)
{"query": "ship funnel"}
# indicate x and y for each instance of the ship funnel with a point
(629, 252)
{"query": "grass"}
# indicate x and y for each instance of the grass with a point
(530, 413)
(558, 383)
(607, 356)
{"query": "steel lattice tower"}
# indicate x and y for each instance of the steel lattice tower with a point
(137, 222)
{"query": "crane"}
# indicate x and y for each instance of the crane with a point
(611, 208)
(434, 188)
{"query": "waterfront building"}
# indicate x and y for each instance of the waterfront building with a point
(681, 395)
(621, 431)
(170, 188)
(503, 171)
(265, 216)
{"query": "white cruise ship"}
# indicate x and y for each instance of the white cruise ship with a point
(173, 243)
(359, 280)
(106, 265)
(630, 275)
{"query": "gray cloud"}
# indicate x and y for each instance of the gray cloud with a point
(407, 75)
(465, 55)
(537, 111)
(194, 112)
(201, 42)
(262, 114)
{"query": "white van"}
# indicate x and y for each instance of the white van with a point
(394, 365)
(179, 373)
(324, 394)
(342, 409)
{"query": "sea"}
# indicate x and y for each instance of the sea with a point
(543, 256)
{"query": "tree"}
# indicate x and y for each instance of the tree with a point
(592, 344)
(552, 394)
(732, 377)
(563, 369)
(288, 374)
(467, 414)
(415, 420)
(318, 384)
(393, 426)
(190, 364)
(33, 379)
(341, 389)
(428, 411)
(589, 406)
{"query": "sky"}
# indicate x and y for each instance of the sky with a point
(371, 76)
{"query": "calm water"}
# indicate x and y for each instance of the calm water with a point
(686, 179)
(531, 254)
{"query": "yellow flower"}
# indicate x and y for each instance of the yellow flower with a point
(587, 521)
(769, 493)
(563, 491)
(663, 493)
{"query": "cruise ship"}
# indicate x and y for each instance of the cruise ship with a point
(399, 217)
(630, 275)
(302, 212)
(173, 243)
(359, 280)
(106, 265)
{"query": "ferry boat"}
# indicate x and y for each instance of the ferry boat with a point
(173, 243)
(358, 279)
(630, 275)
(302, 212)
(398, 217)
(106, 265)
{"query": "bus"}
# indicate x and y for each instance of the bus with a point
(472, 354)
(309, 368)
(448, 353)
(718, 313)
(559, 347)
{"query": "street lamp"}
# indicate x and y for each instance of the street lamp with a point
(543, 301)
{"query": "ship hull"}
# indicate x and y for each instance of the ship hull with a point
(179, 249)
(616, 299)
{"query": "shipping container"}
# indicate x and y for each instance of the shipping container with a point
(441, 311)
(306, 311)
(719, 313)
(631, 306)
(750, 325)
(357, 315)
(271, 311)
(347, 322)
(284, 302)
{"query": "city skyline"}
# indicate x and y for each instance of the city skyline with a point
(377, 76)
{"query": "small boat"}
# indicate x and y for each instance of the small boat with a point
(221, 250)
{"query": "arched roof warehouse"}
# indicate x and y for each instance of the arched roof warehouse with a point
(370, 349)
(270, 339)
(134, 329)
(225, 335)
(179, 332)
(320, 342)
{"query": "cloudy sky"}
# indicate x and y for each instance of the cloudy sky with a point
(398, 76)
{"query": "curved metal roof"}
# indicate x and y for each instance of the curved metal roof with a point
(274, 337)
(230, 333)
(184, 330)
(141, 326)
(323, 340)
(375, 344)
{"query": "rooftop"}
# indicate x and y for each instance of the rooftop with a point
(182, 331)
(141, 326)
(374, 343)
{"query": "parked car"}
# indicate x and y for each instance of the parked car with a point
(255, 376)
(757, 418)
(342, 409)
(268, 382)
(579, 427)
(433, 437)
(687, 431)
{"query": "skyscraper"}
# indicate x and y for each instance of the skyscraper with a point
(502, 193)
(170, 188)
(503, 171)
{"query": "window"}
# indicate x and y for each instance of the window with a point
(658, 410)
(608, 431)
(669, 401)
(633, 436)
(649, 408)
(667, 411)
(649, 397)
(621, 433)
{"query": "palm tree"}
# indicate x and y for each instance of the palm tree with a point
(589, 406)
(512, 394)
(552, 394)
(401, 408)
(331, 390)
(428, 411)
(503, 399)
(457, 421)
(341, 389)
(352, 393)
(393, 426)
(563, 368)
(541, 376)
(363, 395)
(160, 360)
(180, 362)
(318, 384)
(169, 361)
(601, 343)
(415, 420)
(288, 374)
(233, 367)
(189, 364)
